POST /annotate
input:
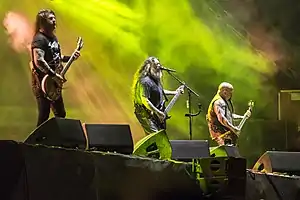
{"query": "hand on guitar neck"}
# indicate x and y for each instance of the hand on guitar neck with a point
(248, 114)
(180, 89)
(237, 129)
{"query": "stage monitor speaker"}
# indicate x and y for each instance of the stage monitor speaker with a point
(109, 137)
(225, 150)
(278, 161)
(155, 145)
(186, 150)
(59, 132)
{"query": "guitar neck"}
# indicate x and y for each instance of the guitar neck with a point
(172, 102)
(241, 124)
(67, 65)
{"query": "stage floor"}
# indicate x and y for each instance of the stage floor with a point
(34, 172)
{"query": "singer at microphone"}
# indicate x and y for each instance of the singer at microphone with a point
(149, 96)
(167, 69)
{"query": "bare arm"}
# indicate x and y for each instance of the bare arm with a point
(168, 92)
(179, 89)
(65, 58)
(40, 63)
(75, 56)
(219, 106)
(236, 116)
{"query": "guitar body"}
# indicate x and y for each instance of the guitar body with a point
(51, 88)
(230, 138)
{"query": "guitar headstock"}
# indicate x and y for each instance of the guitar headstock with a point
(250, 105)
(79, 44)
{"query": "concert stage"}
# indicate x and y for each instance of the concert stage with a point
(65, 159)
(34, 172)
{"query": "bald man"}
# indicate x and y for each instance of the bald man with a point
(220, 116)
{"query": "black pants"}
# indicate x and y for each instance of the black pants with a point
(44, 105)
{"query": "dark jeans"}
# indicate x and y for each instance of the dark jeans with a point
(45, 104)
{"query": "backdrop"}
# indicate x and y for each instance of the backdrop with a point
(199, 39)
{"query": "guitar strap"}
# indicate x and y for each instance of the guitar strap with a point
(164, 94)
(229, 106)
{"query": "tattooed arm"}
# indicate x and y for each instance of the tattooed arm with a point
(168, 92)
(40, 63)
(219, 108)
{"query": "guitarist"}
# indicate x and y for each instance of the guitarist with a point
(46, 59)
(148, 96)
(220, 116)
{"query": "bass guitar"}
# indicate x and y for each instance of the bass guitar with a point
(234, 135)
(52, 86)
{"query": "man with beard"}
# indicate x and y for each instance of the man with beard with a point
(148, 96)
(220, 116)
(46, 59)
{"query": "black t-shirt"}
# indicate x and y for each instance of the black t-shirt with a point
(51, 48)
(152, 90)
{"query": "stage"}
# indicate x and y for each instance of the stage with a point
(34, 172)
(270, 186)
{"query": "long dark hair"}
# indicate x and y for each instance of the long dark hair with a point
(141, 72)
(41, 19)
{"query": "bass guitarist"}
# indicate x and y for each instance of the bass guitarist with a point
(149, 95)
(220, 116)
(46, 59)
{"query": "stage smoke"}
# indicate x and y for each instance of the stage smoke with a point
(19, 30)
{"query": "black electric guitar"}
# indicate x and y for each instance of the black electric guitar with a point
(234, 136)
(52, 86)
(166, 110)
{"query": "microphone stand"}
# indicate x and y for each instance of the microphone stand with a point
(190, 115)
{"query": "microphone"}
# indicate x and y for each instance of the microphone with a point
(167, 69)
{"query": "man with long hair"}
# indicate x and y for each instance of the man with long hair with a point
(148, 96)
(46, 59)
(220, 116)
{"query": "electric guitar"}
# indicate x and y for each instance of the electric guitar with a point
(166, 110)
(241, 124)
(52, 86)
